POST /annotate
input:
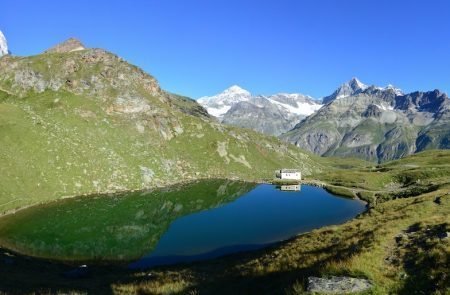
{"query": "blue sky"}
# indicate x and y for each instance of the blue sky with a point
(199, 47)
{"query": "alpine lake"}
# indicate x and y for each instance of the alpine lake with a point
(183, 223)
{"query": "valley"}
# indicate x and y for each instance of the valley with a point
(92, 145)
(379, 244)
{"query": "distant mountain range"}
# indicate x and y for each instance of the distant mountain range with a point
(356, 120)
(375, 123)
(273, 114)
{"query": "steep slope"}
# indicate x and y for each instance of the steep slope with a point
(273, 115)
(86, 121)
(376, 124)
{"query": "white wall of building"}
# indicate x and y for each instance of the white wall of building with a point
(289, 175)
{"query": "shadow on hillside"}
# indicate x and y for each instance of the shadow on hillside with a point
(281, 281)
(22, 275)
(426, 261)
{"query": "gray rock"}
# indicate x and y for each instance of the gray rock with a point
(374, 123)
(261, 115)
(338, 285)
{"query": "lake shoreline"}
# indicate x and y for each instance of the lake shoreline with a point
(77, 257)
(311, 182)
(118, 192)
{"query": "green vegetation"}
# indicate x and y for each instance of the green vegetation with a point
(401, 244)
(87, 122)
(75, 230)
(410, 176)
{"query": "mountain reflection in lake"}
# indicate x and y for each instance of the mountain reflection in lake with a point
(200, 220)
(111, 227)
(263, 216)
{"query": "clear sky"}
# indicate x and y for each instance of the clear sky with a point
(200, 47)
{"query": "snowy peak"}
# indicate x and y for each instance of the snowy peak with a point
(287, 103)
(352, 87)
(295, 103)
(299, 107)
(235, 90)
(217, 105)
(3, 45)
(355, 87)
(355, 84)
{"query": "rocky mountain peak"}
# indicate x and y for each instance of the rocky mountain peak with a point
(355, 84)
(3, 45)
(71, 44)
(352, 87)
(396, 90)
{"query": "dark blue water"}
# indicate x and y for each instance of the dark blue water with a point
(259, 218)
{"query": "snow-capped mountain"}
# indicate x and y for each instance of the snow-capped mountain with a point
(273, 114)
(375, 123)
(295, 103)
(3, 45)
(354, 87)
(396, 90)
(219, 104)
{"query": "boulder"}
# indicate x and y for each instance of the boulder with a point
(338, 285)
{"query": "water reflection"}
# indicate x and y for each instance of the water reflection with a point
(117, 227)
(290, 187)
(263, 216)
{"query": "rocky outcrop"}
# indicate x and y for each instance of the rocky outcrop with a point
(93, 72)
(374, 123)
(71, 44)
(338, 285)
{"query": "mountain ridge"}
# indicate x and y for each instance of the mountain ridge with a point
(272, 114)
(375, 123)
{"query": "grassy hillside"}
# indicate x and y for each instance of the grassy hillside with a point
(420, 173)
(88, 122)
(400, 244)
